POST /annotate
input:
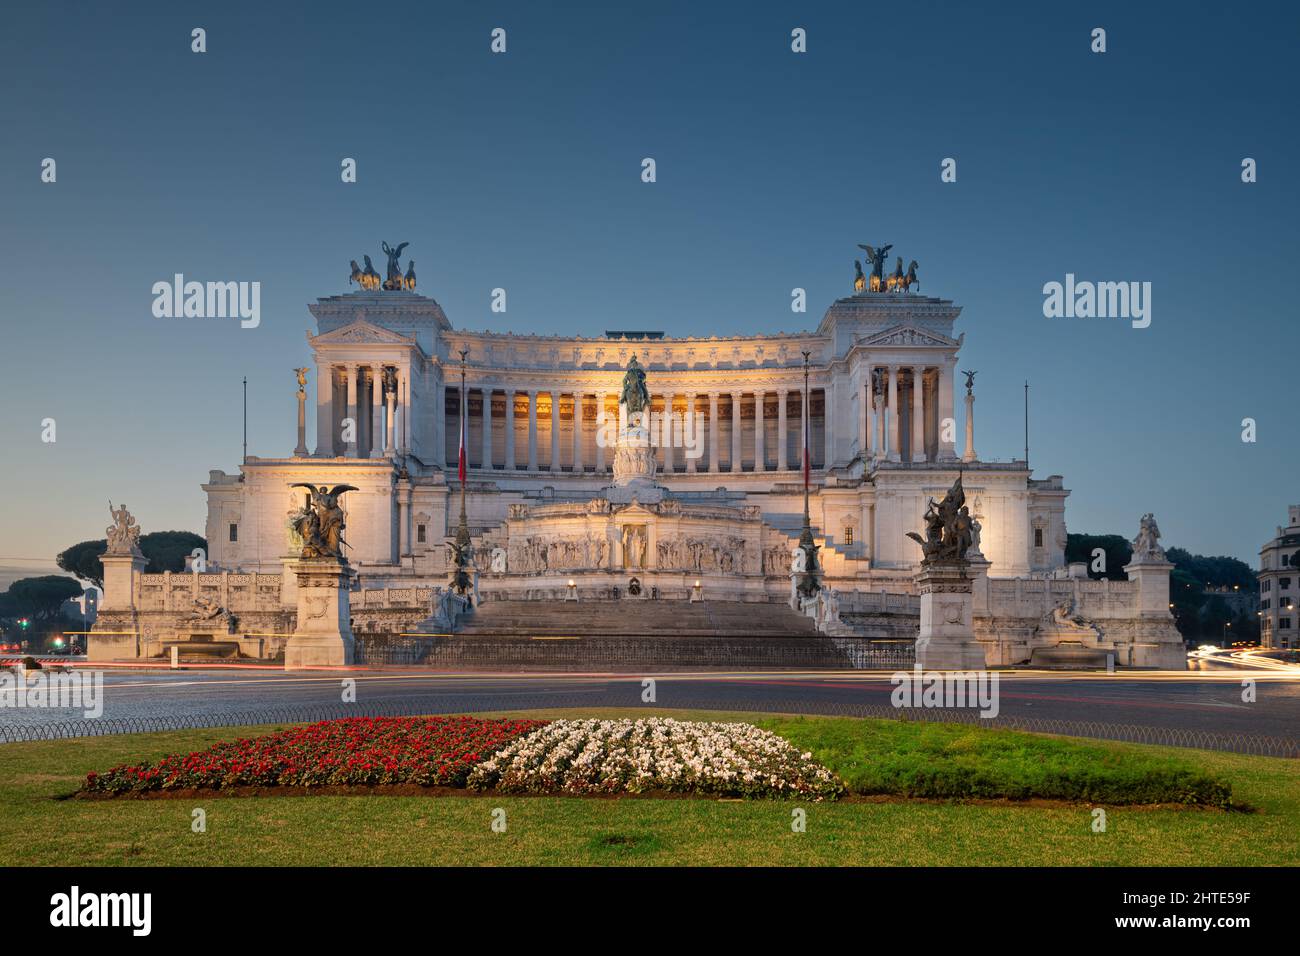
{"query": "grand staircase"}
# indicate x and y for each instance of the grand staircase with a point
(662, 620)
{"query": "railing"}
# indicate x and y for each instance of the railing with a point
(452, 703)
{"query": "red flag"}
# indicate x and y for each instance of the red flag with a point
(460, 466)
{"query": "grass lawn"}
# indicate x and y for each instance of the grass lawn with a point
(40, 826)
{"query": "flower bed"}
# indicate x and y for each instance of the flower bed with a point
(428, 751)
(655, 754)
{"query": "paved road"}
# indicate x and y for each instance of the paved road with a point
(1208, 700)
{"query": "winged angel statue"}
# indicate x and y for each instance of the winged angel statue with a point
(320, 521)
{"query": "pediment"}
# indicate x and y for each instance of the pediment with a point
(908, 335)
(361, 332)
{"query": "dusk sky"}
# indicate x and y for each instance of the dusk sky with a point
(522, 171)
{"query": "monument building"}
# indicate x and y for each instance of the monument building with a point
(737, 469)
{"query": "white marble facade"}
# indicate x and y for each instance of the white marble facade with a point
(882, 421)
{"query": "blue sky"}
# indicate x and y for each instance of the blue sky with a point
(522, 171)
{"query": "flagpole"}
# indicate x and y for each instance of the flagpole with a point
(462, 547)
(808, 586)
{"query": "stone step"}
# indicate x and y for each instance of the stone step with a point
(666, 619)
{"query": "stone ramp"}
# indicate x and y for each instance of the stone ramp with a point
(662, 620)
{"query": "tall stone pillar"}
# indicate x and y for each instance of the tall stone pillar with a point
(532, 431)
(947, 447)
(918, 413)
(376, 411)
(895, 432)
(510, 427)
(864, 420)
(555, 431)
(486, 392)
(879, 448)
(404, 411)
(389, 448)
(577, 433)
(714, 427)
(969, 453)
(602, 430)
(351, 371)
(325, 411)
(300, 449)
(689, 427)
(805, 426)
(828, 426)
(735, 431)
(782, 431)
(760, 452)
(666, 433)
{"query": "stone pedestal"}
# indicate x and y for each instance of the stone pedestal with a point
(323, 637)
(1156, 641)
(634, 457)
(947, 638)
(116, 631)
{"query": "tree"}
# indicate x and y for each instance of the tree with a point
(165, 551)
(83, 560)
(1219, 571)
(1118, 551)
(39, 599)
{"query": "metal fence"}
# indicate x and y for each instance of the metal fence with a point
(452, 703)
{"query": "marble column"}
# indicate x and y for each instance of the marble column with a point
(532, 430)
(602, 429)
(666, 433)
(510, 428)
(376, 411)
(577, 432)
(828, 426)
(486, 392)
(893, 443)
(918, 413)
(760, 439)
(969, 453)
(782, 431)
(324, 411)
(947, 448)
(555, 431)
(352, 371)
(713, 432)
(389, 447)
(878, 423)
(864, 419)
(300, 449)
(735, 431)
(805, 423)
(689, 427)
(404, 410)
